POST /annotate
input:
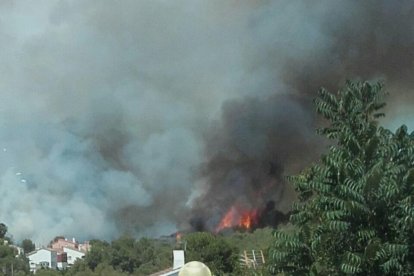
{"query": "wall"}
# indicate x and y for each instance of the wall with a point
(73, 255)
(43, 255)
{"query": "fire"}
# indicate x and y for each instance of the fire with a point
(248, 219)
(228, 220)
(237, 217)
(178, 236)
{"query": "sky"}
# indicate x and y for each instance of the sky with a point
(136, 116)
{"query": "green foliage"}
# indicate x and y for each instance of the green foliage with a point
(3, 230)
(355, 212)
(79, 268)
(9, 258)
(215, 251)
(28, 246)
(107, 270)
(9, 261)
(100, 253)
(146, 256)
(260, 239)
(125, 256)
(47, 272)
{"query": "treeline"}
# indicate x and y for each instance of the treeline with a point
(125, 256)
(11, 263)
(129, 256)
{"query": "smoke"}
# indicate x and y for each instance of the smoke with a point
(249, 151)
(138, 116)
(303, 46)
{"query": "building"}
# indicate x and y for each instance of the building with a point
(73, 255)
(42, 258)
(60, 254)
(60, 242)
(84, 247)
(62, 260)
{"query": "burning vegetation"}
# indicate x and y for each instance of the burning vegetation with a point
(235, 217)
(239, 218)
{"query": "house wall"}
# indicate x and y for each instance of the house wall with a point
(73, 255)
(178, 259)
(62, 265)
(61, 243)
(85, 247)
(62, 260)
(43, 255)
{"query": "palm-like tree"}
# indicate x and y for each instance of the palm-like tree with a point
(355, 212)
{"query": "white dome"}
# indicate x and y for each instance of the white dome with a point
(194, 269)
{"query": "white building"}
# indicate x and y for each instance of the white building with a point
(42, 258)
(62, 260)
(73, 255)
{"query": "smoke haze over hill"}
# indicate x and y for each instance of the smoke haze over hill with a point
(137, 116)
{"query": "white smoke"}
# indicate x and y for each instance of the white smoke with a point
(102, 107)
(105, 106)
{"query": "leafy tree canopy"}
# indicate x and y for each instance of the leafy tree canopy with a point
(28, 246)
(125, 256)
(215, 251)
(3, 230)
(355, 213)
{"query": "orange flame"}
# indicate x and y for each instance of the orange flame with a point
(178, 236)
(248, 219)
(235, 217)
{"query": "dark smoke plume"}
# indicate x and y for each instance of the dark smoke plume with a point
(145, 116)
(261, 139)
(250, 150)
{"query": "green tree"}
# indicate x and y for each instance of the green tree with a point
(47, 272)
(215, 251)
(28, 246)
(79, 268)
(6, 258)
(152, 256)
(125, 255)
(3, 230)
(355, 212)
(10, 261)
(107, 270)
(100, 252)
(146, 256)
(259, 239)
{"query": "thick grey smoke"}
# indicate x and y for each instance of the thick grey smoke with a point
(121, 116)
(303, 46)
